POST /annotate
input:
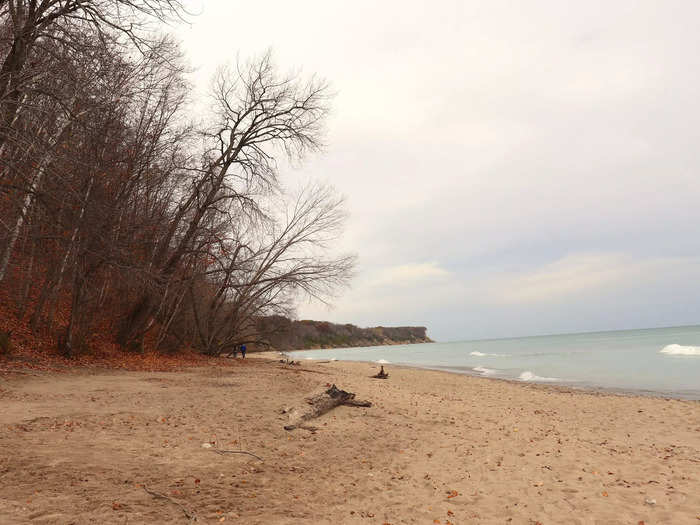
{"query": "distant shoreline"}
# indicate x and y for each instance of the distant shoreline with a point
(361, 344)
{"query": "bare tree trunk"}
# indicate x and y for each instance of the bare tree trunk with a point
(50, 293)
(24, 297)
(74, 310)
(27, 201)
(21, 215)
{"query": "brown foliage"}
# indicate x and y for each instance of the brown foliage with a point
(121, 222)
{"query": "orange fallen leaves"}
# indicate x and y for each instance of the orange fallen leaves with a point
(38, 352)
(452, 494)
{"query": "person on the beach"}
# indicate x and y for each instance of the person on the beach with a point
(243, 351)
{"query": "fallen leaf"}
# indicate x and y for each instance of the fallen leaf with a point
(450, 513)
(604, 494)
(452, 494)
(196, 481)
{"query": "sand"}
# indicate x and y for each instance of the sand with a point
(435, 448)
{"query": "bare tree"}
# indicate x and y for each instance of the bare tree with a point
(32, 23)
(113, 207)
(262, 269)
(258, 113)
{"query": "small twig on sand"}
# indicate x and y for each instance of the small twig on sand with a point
(190, 515)
(222, 452)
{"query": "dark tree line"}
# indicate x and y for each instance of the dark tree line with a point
(117, 215)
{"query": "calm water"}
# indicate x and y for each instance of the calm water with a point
(663, 361)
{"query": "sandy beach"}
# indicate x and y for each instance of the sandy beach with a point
(105, 447)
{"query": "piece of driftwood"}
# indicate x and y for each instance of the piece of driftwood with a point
(320, 404)
(222, 452)
(381, 375)
(191, 516)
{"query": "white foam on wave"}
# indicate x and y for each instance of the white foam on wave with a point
(382, 362)
(481, 354)
(529, 376)
(484, 371)
(680, 350)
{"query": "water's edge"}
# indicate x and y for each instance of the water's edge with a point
(560, 387)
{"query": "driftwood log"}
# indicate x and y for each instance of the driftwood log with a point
(320, 404)
(381, 375)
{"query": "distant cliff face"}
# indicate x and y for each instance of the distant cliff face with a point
(285, 334)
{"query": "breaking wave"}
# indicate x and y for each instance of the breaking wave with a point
(382, 362)
(481, 354)
(529, 376)
(680, 350)
(484, 371)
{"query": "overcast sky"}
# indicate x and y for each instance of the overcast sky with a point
(510, 168)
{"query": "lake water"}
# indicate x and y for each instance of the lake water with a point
(657, 361)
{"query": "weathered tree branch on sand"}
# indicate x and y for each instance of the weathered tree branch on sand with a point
(357, 403)
(222, 452)
(188, 514)
(381, 375)
(304, 370)
(320, 404)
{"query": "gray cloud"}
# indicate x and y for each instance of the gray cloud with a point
(541, 152)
